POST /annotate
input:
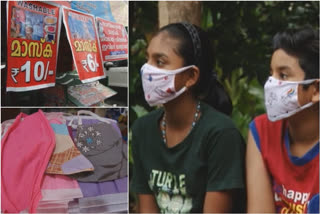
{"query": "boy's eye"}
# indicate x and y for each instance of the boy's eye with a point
(160, 62)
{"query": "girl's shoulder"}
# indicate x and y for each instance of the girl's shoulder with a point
(215, 119)
(147, 119)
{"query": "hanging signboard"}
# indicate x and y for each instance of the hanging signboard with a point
(96, 8)
(113, 40)
(83, 39)
(33, 36)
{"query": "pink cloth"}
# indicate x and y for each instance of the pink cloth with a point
(59, 187)
(25, 152)
(57, 191)
(55, 117)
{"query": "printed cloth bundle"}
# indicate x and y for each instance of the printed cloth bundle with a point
(49, 161)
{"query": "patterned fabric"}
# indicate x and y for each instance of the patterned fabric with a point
(55, 117)
(66, 158)
(102, 144)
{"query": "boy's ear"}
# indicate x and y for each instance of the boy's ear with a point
(193, 76)
(315, 93)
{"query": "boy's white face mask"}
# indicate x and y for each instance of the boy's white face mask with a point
(158, 84)
(281, 98)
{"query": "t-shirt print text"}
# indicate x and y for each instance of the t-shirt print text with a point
(170, 191)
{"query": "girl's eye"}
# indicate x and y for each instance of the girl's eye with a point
(283, 76)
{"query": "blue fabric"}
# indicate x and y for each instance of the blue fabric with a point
(60, 129)
(255, 134)
(312, 153)
(313, 205)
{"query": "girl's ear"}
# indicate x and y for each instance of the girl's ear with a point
(315, 93)
(193, 76)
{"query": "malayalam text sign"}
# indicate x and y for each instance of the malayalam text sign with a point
(113, 40)
(33, 30)
(83, 39)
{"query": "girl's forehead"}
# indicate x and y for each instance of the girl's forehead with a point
(163, 42)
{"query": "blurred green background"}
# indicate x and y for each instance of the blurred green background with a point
(241, 34)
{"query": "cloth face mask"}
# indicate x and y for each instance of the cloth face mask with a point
(281, 98)
(158, 84)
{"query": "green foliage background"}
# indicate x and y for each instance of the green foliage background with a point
(241, 34)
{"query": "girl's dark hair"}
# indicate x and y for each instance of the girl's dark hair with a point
(208, 88)
(303, 44)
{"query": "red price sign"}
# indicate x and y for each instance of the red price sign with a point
(113, 40)
(82, 36)
(33, 35)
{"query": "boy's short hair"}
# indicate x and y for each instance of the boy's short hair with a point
(303, 44)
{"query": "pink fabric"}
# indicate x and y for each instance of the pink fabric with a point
(25, 152)
(57, 192)
(59, 182)
(55, 117)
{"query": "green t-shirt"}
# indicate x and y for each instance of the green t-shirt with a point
(210, 158)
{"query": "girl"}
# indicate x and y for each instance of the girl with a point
(188, 156)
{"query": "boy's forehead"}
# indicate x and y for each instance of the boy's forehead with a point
(281, 61)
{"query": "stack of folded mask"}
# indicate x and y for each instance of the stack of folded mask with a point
(80, 168)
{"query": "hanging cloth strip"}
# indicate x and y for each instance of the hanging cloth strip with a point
(25, 152)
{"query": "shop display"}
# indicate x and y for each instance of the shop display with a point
(49, 161)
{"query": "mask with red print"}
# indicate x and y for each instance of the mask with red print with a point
(158, 84)
(281, 98)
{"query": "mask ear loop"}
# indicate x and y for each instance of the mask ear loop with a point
(95, 116)
(74, 126)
